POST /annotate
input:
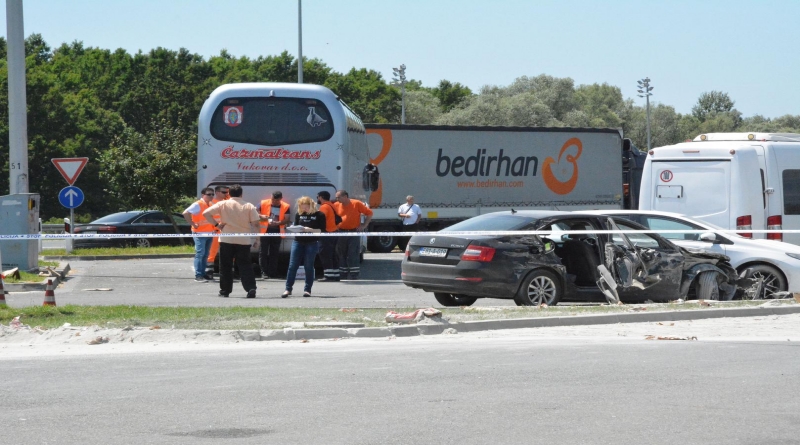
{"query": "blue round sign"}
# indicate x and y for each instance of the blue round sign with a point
(70, 197)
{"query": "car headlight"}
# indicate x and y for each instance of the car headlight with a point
(794, 255)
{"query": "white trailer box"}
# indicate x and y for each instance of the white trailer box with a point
(744, 181)
(455, 173)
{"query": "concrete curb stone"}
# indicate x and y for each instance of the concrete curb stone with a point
(40, 286)
(115, 257)
(519, 323)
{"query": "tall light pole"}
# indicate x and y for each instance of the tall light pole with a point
(17, 114)
(400, 79)
(645, 91)
(299, 41)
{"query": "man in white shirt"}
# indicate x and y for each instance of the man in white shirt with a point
(410, 214)
(236, 216)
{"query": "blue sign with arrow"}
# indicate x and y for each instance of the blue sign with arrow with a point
(70, 197)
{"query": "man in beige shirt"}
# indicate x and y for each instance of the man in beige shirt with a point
(236, 216)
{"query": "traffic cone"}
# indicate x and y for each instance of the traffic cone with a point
(49, 295)
(2, 293)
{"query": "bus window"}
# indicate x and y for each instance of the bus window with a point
(271, 121)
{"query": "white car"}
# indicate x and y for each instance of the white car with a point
(777, 262)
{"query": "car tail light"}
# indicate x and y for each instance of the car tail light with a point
(745, 223)
(775, 222)
(478, 253)
(626, 189)
(107, 229)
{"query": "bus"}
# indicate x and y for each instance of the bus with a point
(299, 139)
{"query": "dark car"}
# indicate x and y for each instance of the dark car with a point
(139, 222)
(533, 269)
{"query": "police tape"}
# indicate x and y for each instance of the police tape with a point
(544, 233)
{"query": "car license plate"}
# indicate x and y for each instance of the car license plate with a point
(432, 251)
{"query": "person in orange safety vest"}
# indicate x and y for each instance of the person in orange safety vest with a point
(194, 216)
(221, 192)
(274, 214)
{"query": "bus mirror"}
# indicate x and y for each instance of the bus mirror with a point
(370, 178)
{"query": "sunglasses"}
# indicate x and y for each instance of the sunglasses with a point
(209, 194)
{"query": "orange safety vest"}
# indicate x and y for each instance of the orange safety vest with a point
(202, 223)
(266, 209)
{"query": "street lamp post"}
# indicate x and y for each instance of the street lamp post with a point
(645, 91)
(400, 79)
(299, 41)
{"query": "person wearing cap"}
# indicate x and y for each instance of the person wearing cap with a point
(327, 244)
(349, 247)
(274, 218)
(194, 216)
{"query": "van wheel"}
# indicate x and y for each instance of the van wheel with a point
(453, 300)
(539, 287)
(773, 280)
(707, 288)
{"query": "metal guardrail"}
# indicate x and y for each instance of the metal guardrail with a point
(52, 228)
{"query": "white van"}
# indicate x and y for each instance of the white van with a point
(742, 181)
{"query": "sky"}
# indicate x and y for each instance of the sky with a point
(748, 49)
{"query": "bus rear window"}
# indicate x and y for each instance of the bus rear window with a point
(271, 121)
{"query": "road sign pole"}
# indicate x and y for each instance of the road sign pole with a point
(68, 245)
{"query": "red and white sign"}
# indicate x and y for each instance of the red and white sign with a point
(232, 115)
(70, 168)
(666, 176)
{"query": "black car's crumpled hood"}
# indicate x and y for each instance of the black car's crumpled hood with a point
(703, 254)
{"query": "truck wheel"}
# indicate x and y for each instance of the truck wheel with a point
(539, 287)
(773, 280)
(707, 288)
(453, 300)
(381, 244)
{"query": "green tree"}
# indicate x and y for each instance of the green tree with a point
(422, 107)
(450, 94)
(710, 103)
(368, 94)
(600, 103)
(154, 169)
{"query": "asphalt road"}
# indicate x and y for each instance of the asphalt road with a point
(463, 389)
(170, 282)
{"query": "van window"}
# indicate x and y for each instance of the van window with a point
(791, 192)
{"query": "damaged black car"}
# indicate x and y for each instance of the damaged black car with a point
(575, 257)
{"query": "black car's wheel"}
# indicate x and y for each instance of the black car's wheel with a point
(773, 280)
(139, 242)
(539, 287)
(453, 300)
(707, 288)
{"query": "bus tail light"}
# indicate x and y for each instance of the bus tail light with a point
(775, 222)
(478, 253)
(745, 223)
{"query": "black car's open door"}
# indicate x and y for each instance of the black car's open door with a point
(626, 265)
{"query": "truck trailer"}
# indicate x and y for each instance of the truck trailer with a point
(457, 172)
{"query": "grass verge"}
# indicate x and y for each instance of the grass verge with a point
(113, 251)
(275, 318)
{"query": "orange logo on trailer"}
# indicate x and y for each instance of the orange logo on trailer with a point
(386, 136)
(550, 179)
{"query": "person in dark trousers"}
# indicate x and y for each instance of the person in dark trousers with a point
(327, 244)
(410, 214)
(236, 216)
(274, 217)
(349, 247)
(304, 248)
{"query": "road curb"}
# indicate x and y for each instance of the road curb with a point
(114, 257)
(40, 286)
(522, 323)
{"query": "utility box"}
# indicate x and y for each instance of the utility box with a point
(19, 215)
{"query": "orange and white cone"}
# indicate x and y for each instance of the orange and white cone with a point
(2, 293)
(49, 294)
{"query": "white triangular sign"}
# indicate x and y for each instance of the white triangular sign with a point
(70, 168)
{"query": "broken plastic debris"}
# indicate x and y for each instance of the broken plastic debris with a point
(410, 317)
(653, 337)
(98, 289)
(15, 323)
(97, 341)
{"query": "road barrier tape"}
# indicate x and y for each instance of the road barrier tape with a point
(547, 233)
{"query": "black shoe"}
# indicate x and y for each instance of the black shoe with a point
(353, 276)
(209, 277)
(306, 294)
(223, 294)
(251, 293)
(285, 294)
